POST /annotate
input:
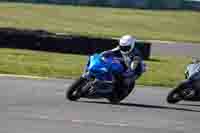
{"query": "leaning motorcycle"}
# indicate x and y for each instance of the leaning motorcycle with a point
(189, 89)
(100, 81)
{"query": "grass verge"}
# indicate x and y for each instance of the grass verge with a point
(163, 71)
(109, 22)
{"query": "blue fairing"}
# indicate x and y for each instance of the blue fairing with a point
(102, 69)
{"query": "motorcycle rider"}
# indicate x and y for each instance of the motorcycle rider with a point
(131, 58)
(193, 74)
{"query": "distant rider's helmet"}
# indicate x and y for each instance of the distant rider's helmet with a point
(195, 60)
(126, 44)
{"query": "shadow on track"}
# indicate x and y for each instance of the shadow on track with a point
(192, 105)
(155, 60)
(144, 106)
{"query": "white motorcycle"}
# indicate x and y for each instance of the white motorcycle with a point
(189, 89)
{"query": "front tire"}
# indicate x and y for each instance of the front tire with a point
(73, 93)
(174, 96)
(177, 94)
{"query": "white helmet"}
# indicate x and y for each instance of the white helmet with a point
(126, 44)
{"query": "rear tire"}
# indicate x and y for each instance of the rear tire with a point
(117, 98)
(73, 93)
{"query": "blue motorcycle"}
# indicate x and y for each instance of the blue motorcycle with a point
(98, 81)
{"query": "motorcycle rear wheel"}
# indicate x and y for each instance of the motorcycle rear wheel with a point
(121, 96)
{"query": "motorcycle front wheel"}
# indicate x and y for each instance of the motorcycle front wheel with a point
(73, 92)
(174, 96)
(179, 93)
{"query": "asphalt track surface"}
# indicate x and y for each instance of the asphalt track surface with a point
(175, 49)
(39, 106)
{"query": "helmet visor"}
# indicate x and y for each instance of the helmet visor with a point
(125, 48)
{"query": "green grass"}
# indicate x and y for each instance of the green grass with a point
(163, 71)
(26, 62)
(109, 22)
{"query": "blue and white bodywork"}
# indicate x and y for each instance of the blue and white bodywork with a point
(102, 68)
